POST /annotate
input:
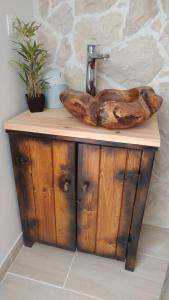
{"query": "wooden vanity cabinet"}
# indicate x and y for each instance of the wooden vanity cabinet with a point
(75, 194)
(79, 186)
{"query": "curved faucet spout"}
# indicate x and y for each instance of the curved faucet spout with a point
(92, 56)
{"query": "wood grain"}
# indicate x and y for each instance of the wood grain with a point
(111, 108)
(113, 162)
(112, 186)
(129, 192)
(59, 122)
(42, 175)
(64, 188)
(139, 206)
(88, 181)
(23, 179)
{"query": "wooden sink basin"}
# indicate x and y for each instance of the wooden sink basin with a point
(113, 109)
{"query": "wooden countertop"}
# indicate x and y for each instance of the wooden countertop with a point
(61, 123)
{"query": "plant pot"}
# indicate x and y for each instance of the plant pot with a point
(36, 104)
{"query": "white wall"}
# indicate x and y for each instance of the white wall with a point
(11, 102)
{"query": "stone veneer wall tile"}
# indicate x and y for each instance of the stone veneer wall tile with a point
(91, 7)
(64, 52)
(136, 64)
(76, 77)
(48, 38)
(139, 13)
(136, 34)
(165, 38)
(43, 7)
(62, 19)
(165, 4)
(55, 2)
(156, 25)
(98, 31)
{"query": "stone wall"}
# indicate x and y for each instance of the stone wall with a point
(136, 34)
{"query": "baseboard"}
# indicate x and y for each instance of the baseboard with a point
(9, 258)
(165, 288)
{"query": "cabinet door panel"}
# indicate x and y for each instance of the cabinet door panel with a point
(88, 180)
(23, 179)
(112, 170)
(107, 183)
(42, 175)
(129, 192)
(64, 188)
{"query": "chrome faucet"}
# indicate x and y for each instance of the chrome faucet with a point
(92, 56)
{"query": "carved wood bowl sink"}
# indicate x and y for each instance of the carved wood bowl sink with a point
(113, 109)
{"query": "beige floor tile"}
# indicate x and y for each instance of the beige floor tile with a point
(15, 288)
(43, 263)
(151, 268)
(107, 278)
(154, 241)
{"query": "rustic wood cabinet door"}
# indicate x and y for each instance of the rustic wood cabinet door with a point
(107, 183)
(44, 174)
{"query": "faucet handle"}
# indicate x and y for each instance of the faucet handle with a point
(92, 53)
(91, 48)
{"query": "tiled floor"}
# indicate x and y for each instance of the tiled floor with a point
(45, 272)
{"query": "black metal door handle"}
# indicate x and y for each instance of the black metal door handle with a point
(85, 187)
(66, 186)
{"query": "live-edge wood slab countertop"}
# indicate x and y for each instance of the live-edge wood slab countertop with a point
(61, 123)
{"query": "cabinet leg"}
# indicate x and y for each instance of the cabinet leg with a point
(130, 263)
(28, 243)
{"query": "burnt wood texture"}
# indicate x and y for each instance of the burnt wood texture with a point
(44, 174)
(107, 184)
(23, 179)
(74, 194)
(139, 206)
(113, 109)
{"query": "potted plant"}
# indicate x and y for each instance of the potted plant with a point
(30, 65)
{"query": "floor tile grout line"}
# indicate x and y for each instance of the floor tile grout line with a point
(70, 267)
(153, 256)
(35, 280)
(51, 285)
